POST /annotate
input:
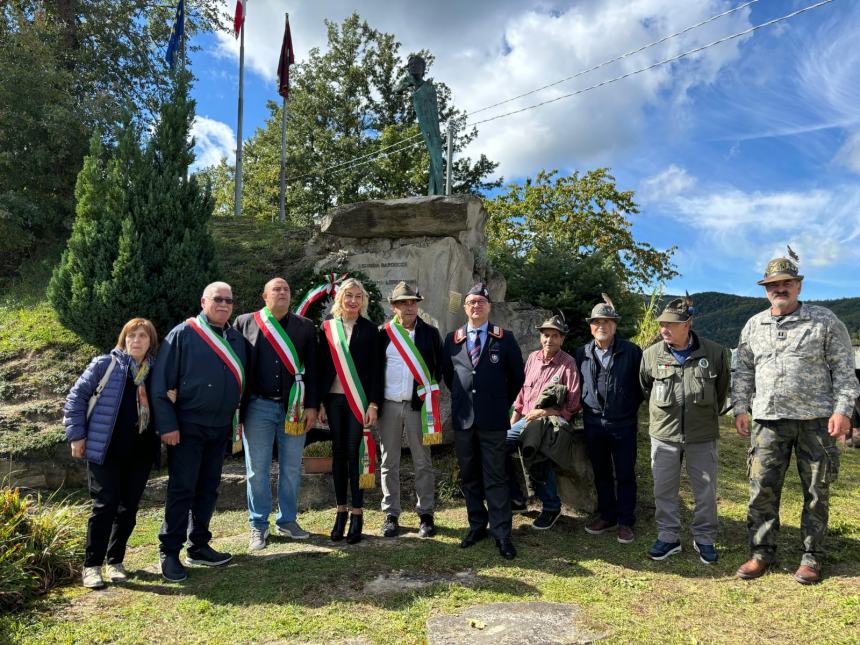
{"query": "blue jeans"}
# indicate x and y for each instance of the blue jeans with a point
(264, 423)
(547, 492)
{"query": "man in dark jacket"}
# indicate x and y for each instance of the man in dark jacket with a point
(201, 365)
(609, 368)
(483, 367)
(281, 405)
(404, 411)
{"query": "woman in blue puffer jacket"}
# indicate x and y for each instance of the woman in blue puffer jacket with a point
(118, 440)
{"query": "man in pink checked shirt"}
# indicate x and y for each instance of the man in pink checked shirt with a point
(550, 365)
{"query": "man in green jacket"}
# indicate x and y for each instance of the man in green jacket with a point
(685, 379)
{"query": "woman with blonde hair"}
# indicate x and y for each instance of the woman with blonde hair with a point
(351, 394)
(108, 422)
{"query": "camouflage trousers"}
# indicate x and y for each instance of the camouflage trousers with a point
(817, 457)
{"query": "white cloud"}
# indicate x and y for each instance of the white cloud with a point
(213, 140)
(849, 154)
(671, 182)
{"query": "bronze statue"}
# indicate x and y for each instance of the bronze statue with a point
(427, 110)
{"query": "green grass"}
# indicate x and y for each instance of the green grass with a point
(314, 591)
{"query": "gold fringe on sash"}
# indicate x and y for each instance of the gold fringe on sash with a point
(294, 428)
(367, 480)
(236, 447)
(431, 438)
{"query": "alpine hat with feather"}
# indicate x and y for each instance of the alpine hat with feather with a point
(604, 309)
(782, 269)
(677, 310)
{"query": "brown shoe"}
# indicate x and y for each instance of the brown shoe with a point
(599, 526)
(752, 568)
(625, 534)
(807, 575)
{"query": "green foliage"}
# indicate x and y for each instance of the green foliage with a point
(40, 545)
(318, 449)
(647, 327)
(303, 281)
(343, 105)
(140, 245)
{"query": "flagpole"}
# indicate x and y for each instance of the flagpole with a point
(283, 202)
(238, 196)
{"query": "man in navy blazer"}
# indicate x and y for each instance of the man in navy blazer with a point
(482, 365)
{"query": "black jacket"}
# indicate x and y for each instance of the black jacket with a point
(482, 395)
(429, 344)
(623, 393)
(207, 391)
(303, 333)
(362, 347)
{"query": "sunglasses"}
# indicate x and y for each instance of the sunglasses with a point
(220, 300)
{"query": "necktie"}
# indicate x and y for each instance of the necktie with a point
(475, 352)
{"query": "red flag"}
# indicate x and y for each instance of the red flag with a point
(284, 63)
(239, 17)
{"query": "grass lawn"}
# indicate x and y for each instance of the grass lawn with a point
(384, 590)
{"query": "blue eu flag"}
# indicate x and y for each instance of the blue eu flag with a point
(176, 34)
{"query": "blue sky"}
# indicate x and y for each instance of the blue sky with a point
(732, 153)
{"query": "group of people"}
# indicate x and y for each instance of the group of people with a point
(271, 376)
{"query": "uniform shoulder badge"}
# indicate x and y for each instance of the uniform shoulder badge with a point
(460, 335)
(496, 331)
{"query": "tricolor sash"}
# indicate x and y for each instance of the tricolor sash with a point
(355, 396)
(329, 288)
(428, 388)
(225, 352)
(286, 351)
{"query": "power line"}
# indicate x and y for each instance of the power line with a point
(618, 58)
(346, 165)
(658, 63)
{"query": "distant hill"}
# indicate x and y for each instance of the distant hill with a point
(721, 316)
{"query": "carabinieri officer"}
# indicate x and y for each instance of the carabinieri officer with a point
(482, 365)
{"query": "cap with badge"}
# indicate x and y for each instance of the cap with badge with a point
(556, 322)
(782, 269)
(403, 291)
(604, 309)
(677, 310)
(479, 289)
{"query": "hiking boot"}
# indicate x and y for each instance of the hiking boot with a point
(752, 568)
(546, 520)
(172, 569)
(427, 528)
(662, 550)
(807, 575)
(625, 534)
(389, 526)
(257, 542)
(707, 552)
(116, 572)
(519, 506)
(91, 578)
(598, 526)
(207, 556)
(292, 530)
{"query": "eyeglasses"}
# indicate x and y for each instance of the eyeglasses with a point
(221, 300)
(476, 303)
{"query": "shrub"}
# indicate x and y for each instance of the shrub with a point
(318, 449)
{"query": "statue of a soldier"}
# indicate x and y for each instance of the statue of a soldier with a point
(427, 110)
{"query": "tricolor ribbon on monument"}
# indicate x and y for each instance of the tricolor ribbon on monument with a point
(294, 423)
(328, 288)
(355, 396)
(428, 388)
(225, 352)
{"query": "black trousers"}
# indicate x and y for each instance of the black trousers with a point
(194, 469)
(481, 455)
(346, 436)
(613, 457)
(115, 488)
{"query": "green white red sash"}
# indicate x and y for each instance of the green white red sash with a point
(225, 352)
(286, 351)
(428, 388)
(355, 396)
(329, 288)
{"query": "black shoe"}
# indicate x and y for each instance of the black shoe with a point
(519, 506)
(427, 528)
(506, 548)
(389, 526)
(356, 521)
(473, 537)
(546, 520)
(172, 569)
(207, 556)
(339, 526)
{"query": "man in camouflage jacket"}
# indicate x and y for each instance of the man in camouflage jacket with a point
(795, 373)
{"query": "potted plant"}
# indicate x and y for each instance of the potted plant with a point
(317, 457)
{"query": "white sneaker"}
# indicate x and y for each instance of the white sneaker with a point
(116, 572)
(91, 578)
(258, 539)
(292, 530)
